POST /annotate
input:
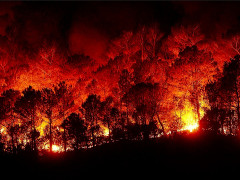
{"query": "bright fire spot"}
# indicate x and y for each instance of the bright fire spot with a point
(189, 121)
(41, 127)
(55, 148)
(191, 127)
(189, 118)
(2, 130)
(105, 131)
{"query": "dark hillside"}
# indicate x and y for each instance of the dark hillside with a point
(178, 156)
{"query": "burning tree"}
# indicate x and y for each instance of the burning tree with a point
(91, 113)
(76, 129)
(49, 102)
(8, 99)
(27, 107)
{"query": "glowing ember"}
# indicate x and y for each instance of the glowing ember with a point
(2, 130)
(56, 148)
(191, 127)
(189, 121)
(105, 131)
(189, 118)
(41, 127)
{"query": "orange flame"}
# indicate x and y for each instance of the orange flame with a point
(189, 117)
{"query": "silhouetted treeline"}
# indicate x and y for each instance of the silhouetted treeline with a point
(223, 95)
(34, 120)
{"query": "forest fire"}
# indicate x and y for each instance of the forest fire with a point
(105, 131)
(56, 148)
(188, 116)
(88, 85)
(191, 127)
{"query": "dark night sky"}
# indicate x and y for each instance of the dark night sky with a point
(78, 26)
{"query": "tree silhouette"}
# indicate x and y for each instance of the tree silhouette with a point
(76, 129)
(65, 134)
(105, 111)
(144, 97)
(27, 107)
(125, 83)
(230, 83)
(209, 123)
(49, 102)
(9, 97)
(223, 96)
(65, 98)
(91, 107)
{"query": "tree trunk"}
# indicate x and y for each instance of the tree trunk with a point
(93, 137)
(77, 141)
(50, 134)
(222, 127)
(238, 103)
(12, 132)
(230, 123)
(109, 137)
(159, 121)
(94, 126)
(64, 139)
(197, 107)
(127, 112)
(198, 111)
(13, 146)
(33, 134)
(34, 142)
(127, 135)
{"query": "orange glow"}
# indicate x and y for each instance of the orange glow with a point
(189, 118)
(191, 127)
(56, 148)
(3, 131)
(189, 121)
(105, 131)
(41, 128)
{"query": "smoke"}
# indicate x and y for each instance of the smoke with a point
(6, 15)
(96, 24)
(87, 28)
(215, 18)
(87, 40)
